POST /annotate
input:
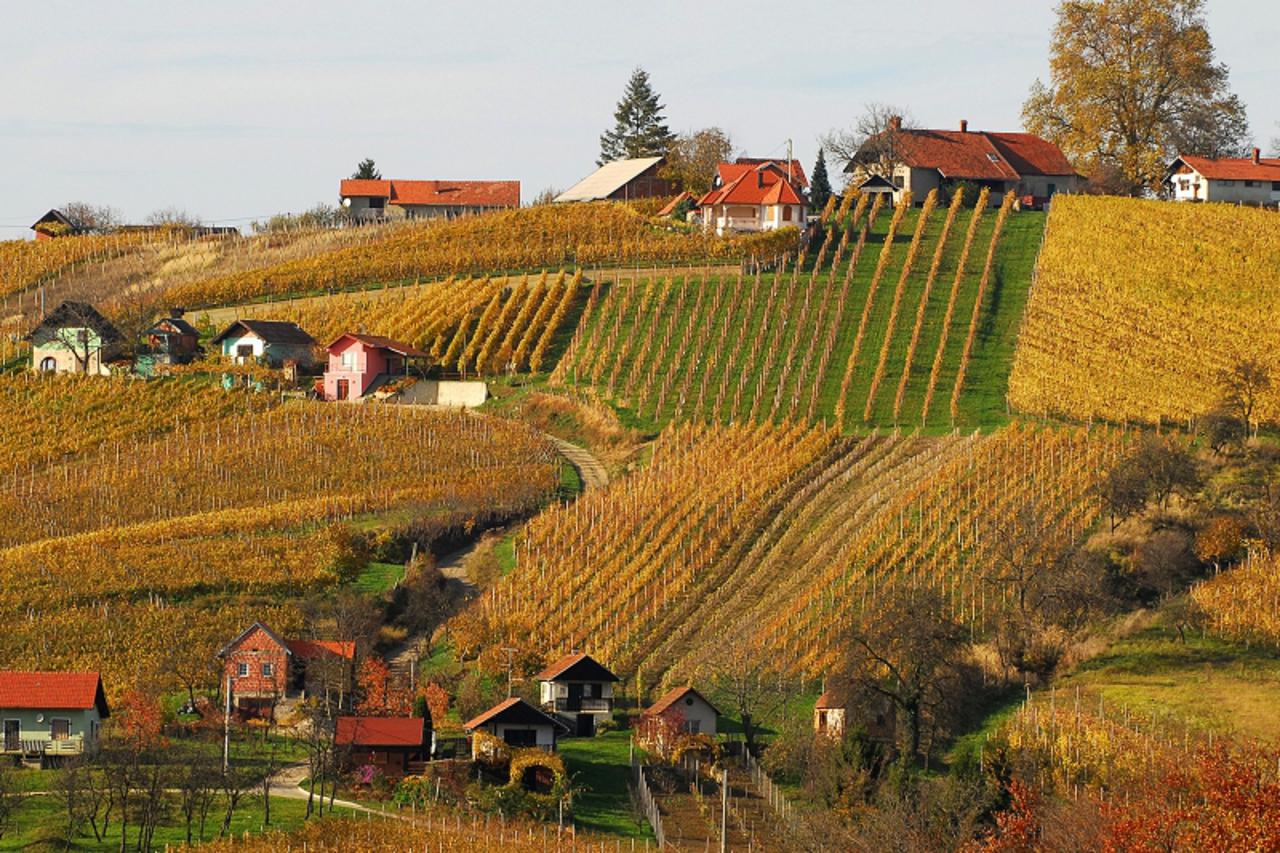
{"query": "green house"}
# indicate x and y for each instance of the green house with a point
(48, 715)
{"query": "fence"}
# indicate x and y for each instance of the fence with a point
(777, 800)
(647, 803)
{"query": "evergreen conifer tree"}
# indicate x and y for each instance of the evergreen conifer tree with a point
(819, 184)
(640, 129)
(366, 171)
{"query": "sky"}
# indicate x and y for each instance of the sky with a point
(238, 110)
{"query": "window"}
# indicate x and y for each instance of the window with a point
(59, 729)
(268, 670)
(1226, 183)
(1275, 186)
(48, 364)
(244, 350)
(994, 158)
(898, 181)
(694, 726)
(348, 360)
(1251, 183)
(242, 670)
(786, 213)
(520, 737)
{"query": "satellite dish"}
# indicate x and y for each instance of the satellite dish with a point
(39, 718)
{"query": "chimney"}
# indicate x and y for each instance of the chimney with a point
(1257, 156)
(964, 125)
(177, 312)
(895, 122)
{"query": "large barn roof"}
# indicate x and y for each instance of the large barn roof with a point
(608, 179)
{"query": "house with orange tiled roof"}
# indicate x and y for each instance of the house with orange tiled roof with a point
(927, 159)
(1235, 180)
(395, 199)
(48, 715)
(755, 195)
(262, 668)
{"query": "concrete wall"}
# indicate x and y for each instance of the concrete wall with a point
(64, 361)
(546, 735)
(449, 393)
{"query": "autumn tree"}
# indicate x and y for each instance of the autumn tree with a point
(906, 648)
(175, 217)
(1243, 385)
(744, 675)
(1132, 83)
(640, 129)
(92, 218)
(693, 157)
(381, 693)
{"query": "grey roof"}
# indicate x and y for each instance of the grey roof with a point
(179, 325)
(271, 331)
(608, 179)
(74, 315)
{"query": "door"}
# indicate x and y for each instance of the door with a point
(586, 725)
(12, 732)
(59, 729)
(575, 698)
(343, 391)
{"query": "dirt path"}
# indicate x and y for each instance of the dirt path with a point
(592, 471)
(287, 784)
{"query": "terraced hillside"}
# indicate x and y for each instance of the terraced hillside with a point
(905, 316)
(1140, 307)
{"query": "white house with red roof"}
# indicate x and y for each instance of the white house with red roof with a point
(1236, 180)
(395, 199)
(578, 689)
(359, 363)
(1028, 165)
(685, 709)
(755, 195)
(46, 715)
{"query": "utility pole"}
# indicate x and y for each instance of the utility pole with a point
(724, 797)
(226, 729)
(509, 652)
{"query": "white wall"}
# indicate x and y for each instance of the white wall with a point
(230, 345)
(545, 734)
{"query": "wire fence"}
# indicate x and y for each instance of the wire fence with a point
(645, 799)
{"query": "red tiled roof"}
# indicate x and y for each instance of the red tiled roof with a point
(764, 183)
(592, 668)
(426, 193)
(382, 343)
(380, 731)
(730, 172)
(979, 155)
(1234, 168)
(309, 649)
(671, 206)
(51, 690)
(672, 697)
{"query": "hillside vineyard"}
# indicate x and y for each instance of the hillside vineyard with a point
(1147, 338)
(861, 334)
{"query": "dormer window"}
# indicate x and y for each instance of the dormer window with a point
(994, 158)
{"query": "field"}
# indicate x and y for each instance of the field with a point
(1147, 339)
(903, 317)
(774, 539)
(1243, 604)
(198, 529)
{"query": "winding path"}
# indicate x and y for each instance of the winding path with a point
(592, 471)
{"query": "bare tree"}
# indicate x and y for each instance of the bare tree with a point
(742, 673)
(174, 216)
(94, 218)
(81, 330)
(546, 196)
(906, 648)
(196, 783)
(873, 144)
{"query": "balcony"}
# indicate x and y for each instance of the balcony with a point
(72, 745)
(584, 706)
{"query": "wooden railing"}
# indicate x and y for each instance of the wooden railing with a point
(73, 745)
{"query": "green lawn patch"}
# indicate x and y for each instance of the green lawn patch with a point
(377, 578)
(600, 767)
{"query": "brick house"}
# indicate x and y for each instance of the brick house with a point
(263, 668)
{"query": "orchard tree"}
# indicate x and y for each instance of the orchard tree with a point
(820, 183)
(640, 129)
(94, 218)
(693, 157)
(1132, 83)
(366, 171)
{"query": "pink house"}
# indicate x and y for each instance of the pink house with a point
(356, 362)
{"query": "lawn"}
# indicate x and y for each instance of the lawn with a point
(377, 578)
(37, 824)
(600, 768)
(1210, 684)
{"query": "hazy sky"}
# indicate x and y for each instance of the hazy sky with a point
(236, 110)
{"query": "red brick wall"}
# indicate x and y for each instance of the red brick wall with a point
(255, 650)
